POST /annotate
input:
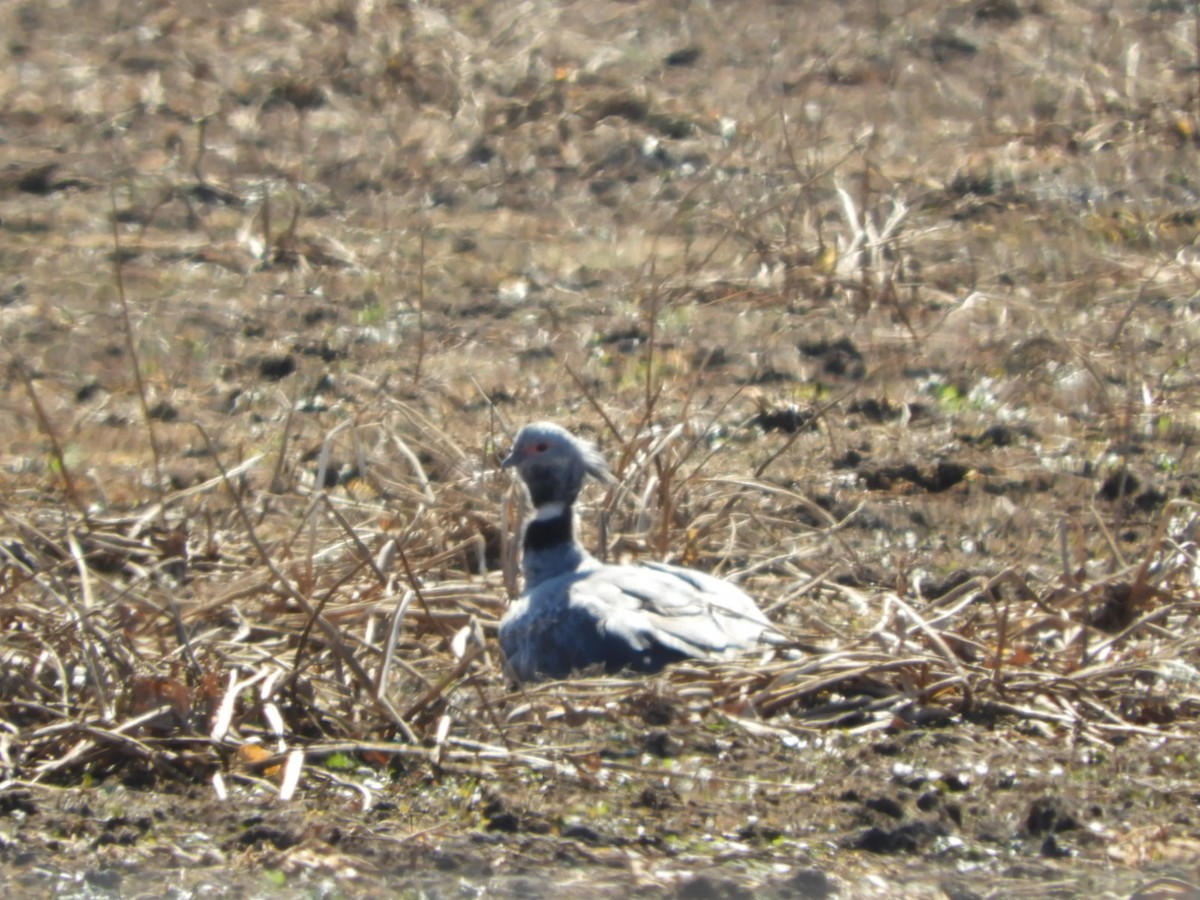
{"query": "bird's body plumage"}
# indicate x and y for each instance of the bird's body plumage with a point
(578, 613)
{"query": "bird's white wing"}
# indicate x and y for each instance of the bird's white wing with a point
(686, 611)
(640, 617)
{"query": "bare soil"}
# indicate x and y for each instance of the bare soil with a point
(886, 311)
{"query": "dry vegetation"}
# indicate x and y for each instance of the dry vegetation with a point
(886, 312)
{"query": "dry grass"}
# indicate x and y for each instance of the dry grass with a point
(169, 641)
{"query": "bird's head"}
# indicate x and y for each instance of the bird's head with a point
(553, 462)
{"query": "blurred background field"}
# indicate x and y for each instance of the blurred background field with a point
(885, 311)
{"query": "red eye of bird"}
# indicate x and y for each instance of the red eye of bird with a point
(541, 448)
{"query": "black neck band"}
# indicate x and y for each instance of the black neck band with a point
(542, 534)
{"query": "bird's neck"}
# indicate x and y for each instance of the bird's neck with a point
(549, 548)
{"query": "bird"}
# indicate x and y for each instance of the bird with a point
(577, 613)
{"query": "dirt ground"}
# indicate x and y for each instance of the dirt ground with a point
(885, 311)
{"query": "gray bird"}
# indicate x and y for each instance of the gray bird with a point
(577, 612)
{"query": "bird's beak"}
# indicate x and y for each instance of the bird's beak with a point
(509, 461)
